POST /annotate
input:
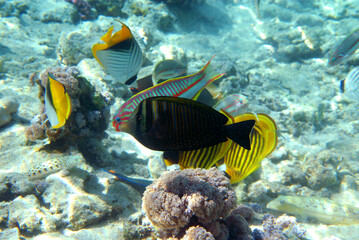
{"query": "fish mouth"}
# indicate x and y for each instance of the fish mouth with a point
(116, 125)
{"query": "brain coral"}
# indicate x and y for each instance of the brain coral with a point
(191, 197)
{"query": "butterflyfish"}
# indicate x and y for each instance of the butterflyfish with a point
(57, 102)
(345, 49)
(350, 85)
(189, 87)
(120, 55)
(138, 184)
(168, 69)
(323, 209)
(241, 162)
(180, 124)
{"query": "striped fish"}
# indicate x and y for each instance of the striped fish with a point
(185, 87)
(234, 104)
(168, 69)
(350, 85)
(345, 49)
(241, 162)
(120, 55)
(180, 124)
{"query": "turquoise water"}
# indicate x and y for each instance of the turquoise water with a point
(51, 181)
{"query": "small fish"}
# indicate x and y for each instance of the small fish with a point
(323, 209)
(57, 102)
(180, 124)
(350, 85)
(138, 184)
(168, 69)
(256, 4)
(120, 55)
(44, 169)
(345, 49)
(240, 162)
(234, 104)
(185, 87)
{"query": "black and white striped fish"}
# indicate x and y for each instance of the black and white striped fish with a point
(120, 55)
(350, 85)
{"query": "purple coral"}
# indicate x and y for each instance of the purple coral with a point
(191, 197)
(83, 7)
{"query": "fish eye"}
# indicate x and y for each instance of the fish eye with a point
(118, 120)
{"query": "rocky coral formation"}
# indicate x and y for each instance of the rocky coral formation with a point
(194, 198)
(8, 106)
(90, 113)
(184, 3)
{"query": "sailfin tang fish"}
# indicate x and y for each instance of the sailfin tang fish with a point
(138, 184)
(350, 85)
(325, 210)
(185, 87)
(179, 124)
(241, 162)
(345, 49)
(120, 55)
(57, 102)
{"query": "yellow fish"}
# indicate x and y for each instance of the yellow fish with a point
(241, 162)
(57, 102)
(120, 55)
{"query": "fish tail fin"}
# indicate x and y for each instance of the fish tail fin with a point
(240, 133)
(209, 76)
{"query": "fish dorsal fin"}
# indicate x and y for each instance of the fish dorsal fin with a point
(107, 37)
(123, 34)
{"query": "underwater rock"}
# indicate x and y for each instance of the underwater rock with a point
(238, 228)
(13, 185)
(283, 227)
(27, 214)
(156, 166)
(111, 8)
(11, 233)
(4, 212)
(246, 212)
(8, 106)
(85, 209)
(181, 199)
(73, 47)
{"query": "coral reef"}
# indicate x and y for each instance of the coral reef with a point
(83, 7)
(8, 106)
(109, 7)
(90, 113)
(283, 227)
(192, 197)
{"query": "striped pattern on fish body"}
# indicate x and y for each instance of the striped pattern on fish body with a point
(186, 87)
(179, 124)
(201, 158)
(241, 162)
(345, 49)
(120, 55)
(323, 209)
(350, 85)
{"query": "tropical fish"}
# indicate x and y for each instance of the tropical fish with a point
(350, 85)
(138, 184)
(345, 49)
(324, 210)
(184, 87)
(120, 55)
(57, 102)
(168, 69)
(180, 124)
(241, 162)
(234, 104)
